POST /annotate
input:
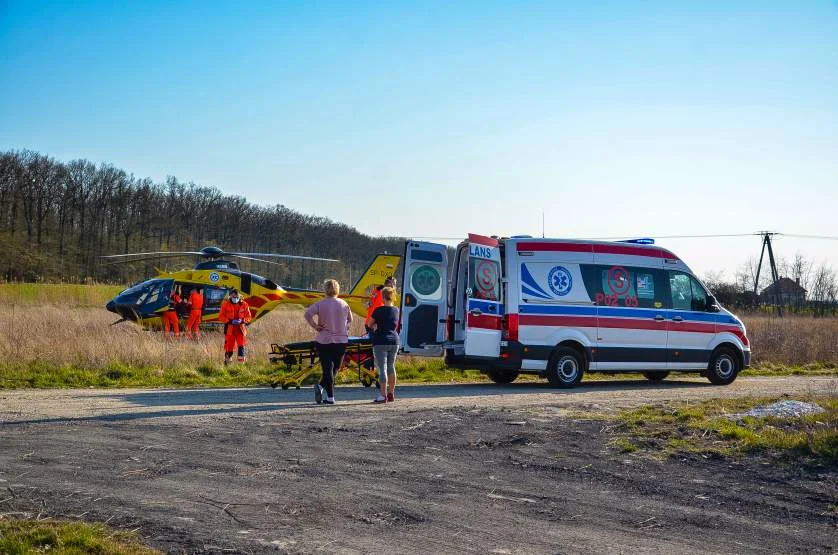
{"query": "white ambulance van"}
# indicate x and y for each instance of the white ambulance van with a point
(559, 308)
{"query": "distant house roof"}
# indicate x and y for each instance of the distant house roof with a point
(784, 286)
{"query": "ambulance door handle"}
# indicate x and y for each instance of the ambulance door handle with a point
(475, 312)
(677, 319)
(658, 317)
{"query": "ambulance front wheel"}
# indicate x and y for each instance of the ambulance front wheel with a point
(724, 366)
(503, 376)
(566, 367)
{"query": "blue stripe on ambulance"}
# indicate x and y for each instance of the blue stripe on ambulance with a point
(626, 312)
(492, 307)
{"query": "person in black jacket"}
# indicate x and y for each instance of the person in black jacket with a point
(384, 322)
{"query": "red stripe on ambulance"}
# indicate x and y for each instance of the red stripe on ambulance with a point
(595, 248)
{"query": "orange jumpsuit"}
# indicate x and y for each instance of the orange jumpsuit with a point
(376, 300)
(234, 316)
(196, 303)
(170, 320)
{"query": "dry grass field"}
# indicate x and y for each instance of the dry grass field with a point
(793, 340)
(61, 335)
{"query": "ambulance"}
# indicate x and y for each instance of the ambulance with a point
(560, 307)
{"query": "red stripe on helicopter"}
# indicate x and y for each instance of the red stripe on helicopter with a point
(256, 302)
(291, 296)
(273, 296)
(310, 296)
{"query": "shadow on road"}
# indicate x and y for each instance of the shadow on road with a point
(176, 403)
(355, 393)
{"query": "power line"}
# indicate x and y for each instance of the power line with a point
(827, 237)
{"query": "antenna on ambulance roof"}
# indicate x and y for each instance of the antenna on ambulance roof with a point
(542, 225)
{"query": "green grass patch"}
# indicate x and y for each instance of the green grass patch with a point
(775, 369)
(42, 375)
(624, 445)
(67, 538)
(712, 428)
(119, 373)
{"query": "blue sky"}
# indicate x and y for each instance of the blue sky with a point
(436, 119)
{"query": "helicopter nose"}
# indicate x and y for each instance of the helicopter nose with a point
(111, 306)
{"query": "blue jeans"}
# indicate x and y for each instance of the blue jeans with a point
(385, 361)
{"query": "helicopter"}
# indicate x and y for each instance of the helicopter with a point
(144, 302)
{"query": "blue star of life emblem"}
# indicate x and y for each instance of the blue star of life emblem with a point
(560, 281)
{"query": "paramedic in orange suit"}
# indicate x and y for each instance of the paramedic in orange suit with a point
(170, 320)
(235, 315)
(376, 299)
(196, 305)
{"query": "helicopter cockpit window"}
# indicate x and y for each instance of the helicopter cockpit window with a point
(134, 289)
(152, 293)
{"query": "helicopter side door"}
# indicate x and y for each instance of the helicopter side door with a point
(213, 296)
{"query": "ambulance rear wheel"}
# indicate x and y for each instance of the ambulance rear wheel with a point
(724, 366)
(655, 376)
(503, 376)
(566, 367)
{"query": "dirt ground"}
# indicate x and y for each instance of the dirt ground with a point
(473, 468)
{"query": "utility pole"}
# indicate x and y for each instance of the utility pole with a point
(775, 284)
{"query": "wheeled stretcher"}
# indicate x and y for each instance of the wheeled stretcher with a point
(299, 360)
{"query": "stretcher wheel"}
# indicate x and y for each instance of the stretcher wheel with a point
(298, 387)
(285, 386)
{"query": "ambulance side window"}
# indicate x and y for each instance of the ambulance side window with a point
(699, 301)
(679, 284)
(593, 285)
(625, 286)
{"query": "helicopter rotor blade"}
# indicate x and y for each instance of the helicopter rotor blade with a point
(143, 259)
(289, 256)
(153, 254)
(256, 259)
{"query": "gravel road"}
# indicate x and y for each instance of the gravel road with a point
(447, 468)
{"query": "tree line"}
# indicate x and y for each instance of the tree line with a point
(817, 283)
(58, 219)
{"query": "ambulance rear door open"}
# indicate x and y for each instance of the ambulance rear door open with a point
(424, 307)
(484, 309)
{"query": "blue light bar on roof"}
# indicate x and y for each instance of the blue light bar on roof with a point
(641, 241)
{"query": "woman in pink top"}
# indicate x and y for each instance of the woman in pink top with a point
(332, 326)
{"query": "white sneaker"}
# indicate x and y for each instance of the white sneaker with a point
(318, 393)
(380, 399)
(328, 400)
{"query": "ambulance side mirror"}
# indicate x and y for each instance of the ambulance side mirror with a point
(712, 304)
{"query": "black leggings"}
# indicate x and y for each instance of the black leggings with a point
(331, 357)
